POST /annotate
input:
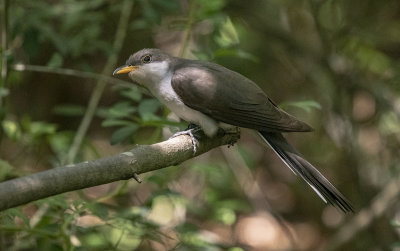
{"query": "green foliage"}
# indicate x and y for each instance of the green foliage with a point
(123, 133)
(228, 35)
(69, 110)
(306, 105)
(5, 169)
(313, 56)
(11, 129)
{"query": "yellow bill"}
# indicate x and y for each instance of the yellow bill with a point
(124, 69)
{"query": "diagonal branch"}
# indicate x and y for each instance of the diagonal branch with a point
(141, 159)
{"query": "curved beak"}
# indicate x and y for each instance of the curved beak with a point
(124, 69)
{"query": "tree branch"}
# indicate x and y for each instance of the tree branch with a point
(141, 159)
(70, 72)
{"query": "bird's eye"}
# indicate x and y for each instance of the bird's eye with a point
(146, 59)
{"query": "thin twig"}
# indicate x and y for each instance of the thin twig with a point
(188, 28)
(98, 91)
(4, 46)
(69, 72)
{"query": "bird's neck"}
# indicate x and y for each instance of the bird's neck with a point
(151, 75)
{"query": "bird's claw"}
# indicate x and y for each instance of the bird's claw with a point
(192, 129)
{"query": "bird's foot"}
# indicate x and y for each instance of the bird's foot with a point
(192, 131)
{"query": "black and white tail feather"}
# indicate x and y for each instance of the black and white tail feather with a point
(308, 172)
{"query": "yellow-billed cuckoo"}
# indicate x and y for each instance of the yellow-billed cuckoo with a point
(210, 95)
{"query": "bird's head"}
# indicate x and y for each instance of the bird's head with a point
(146, 66)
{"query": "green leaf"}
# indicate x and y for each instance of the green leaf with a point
(120, 110)
(330, 15)
(147, 108)
(306, 105)
(5, 169)
(11, 129)
(395, 223)
(60, 143)
(226, 215)
(41, 128)
(228, 35)
(367, 56)
(123, 133)
(235, 249)
(69, 110)
(132, 93)
(116, 122)
(389, 123)
(55, 61)
(209, 7)
(94, 240)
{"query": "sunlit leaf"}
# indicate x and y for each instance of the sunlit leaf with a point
(236, 249)
(306, 105)
(389, 123)
(11, 129)
(123, 239)
(42, 128)
(94, 240)
(226, 215)
(395, 223)
(5, 169)
(228, 35)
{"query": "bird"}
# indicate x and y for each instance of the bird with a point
(211, 96)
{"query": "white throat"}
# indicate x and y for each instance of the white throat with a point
(151, 74)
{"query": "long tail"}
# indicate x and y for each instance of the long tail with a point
(308, 172)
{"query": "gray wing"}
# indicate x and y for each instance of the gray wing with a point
(231, 98)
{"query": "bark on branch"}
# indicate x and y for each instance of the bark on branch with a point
(141, 159)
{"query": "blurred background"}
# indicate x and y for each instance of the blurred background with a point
(334, 64)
